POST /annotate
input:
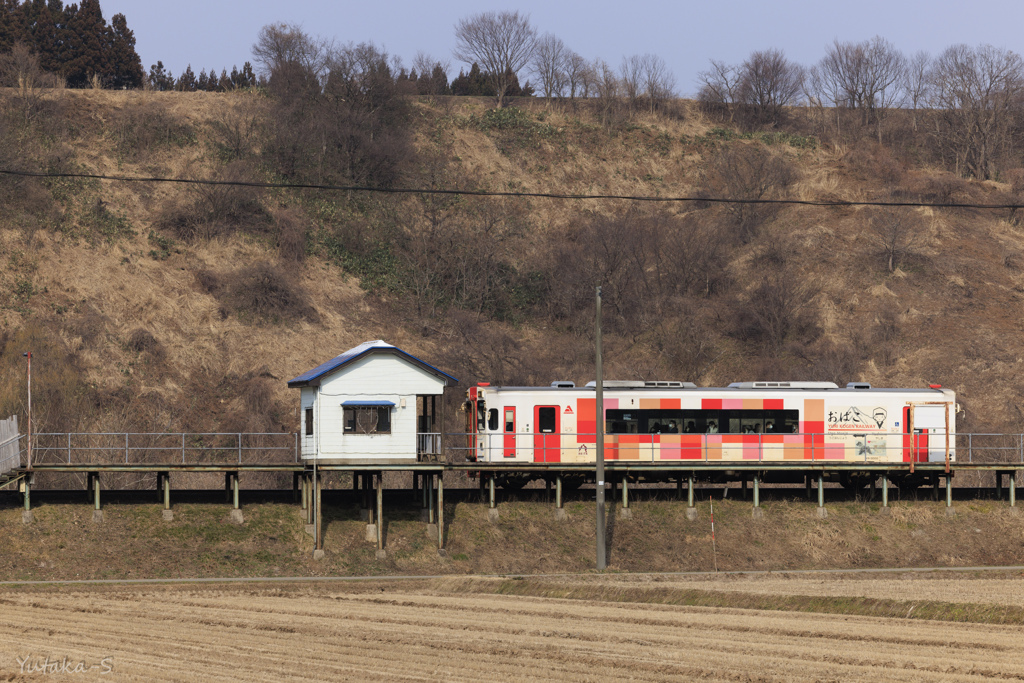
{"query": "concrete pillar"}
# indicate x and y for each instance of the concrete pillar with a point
(558, 491)
(311, 502)
(885, 490)
(821, 490)
(167, 490)
(625, 492)
(440, 511)
(757, 491)
(430, 501)
(1013, 490)
(305, 491)
(689, 493)
(96, 490)
(28, 495)
(319, 512)
(949, 491)
(234, 490)
(490, 491)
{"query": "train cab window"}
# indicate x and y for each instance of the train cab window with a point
(492, 419)
(481, 416)
(510, 420)
(546, 420)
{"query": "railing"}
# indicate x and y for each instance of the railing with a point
(865, 447)
(10, 455)
(429, 444)
(164, 448)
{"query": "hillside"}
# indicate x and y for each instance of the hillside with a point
(153, 306)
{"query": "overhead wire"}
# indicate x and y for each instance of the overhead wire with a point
(835, 203)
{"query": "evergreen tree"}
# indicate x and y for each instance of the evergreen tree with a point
(225, 82)
(88, 54)
(187, 80)
(202, 81)
(125, 66)
(159, 78)
(45, 35)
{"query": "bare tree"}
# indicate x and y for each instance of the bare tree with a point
(896, 231)
(433, 74)
(720, 85)
(749, 173)
(864, 76)
(658, 81)
(291, 56)
(631, 80)
(579, 77)
(608, 89)
(979, 90)
(502, 43)
(917, 83)
(550, 63)
(769, 82)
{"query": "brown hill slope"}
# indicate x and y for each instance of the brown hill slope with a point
(167, 306)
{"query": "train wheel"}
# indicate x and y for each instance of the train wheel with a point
(854, 482)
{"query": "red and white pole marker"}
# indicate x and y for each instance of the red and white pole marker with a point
(714, 551)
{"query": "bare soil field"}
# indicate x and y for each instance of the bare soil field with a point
(467, 629)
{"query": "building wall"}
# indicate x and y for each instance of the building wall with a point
(376, 378)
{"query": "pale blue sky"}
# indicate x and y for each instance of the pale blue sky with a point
(217, 33)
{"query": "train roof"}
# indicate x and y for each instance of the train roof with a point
(666, 386)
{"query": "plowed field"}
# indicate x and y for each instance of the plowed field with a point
(464, 629)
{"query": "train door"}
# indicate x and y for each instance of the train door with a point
(928, 441)
(509, 424)
(547, 441)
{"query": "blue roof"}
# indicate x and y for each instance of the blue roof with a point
(310, 376)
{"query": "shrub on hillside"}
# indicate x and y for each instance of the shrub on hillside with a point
(264, 294)
(208, 211)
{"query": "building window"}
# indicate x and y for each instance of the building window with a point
(367, 420)
(309, 422)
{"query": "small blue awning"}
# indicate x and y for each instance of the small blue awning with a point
(366, 404)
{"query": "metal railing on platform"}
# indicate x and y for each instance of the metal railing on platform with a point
(113, 448)
(10, 455)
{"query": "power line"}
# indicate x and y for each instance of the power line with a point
(495, 193)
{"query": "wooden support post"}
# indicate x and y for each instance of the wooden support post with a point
(757, 491)
(234, 489)
(319, 513)
(490, 487)
(689, 492)
(885, 490)
(1013, 489)
(558, 491)
(311, 503)
(305, 491)
(821, 490)
(167, 490)
(380, 511)
(430, 501)
(625, 492)
(440, 511)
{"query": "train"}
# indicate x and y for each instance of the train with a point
(673, 423)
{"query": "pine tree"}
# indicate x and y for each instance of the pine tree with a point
(225, 81)
(159, 78)
(125, 66)
(202, 81)
(187, 80)
(87, 55)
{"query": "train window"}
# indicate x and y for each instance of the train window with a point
(367, 420)
(481, 416)
(510, 419)
(667, 421)
(546, 420)
(492, 419)
(309, 422)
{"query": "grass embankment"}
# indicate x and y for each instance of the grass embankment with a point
(133, 541)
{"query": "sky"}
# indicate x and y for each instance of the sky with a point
(216, 34)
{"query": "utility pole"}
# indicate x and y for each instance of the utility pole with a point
(28, 354)
(602, 555)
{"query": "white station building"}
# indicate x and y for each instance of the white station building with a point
(373, 404)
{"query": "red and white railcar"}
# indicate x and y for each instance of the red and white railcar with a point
(674, 422)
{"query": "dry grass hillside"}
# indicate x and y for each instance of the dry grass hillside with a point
(183, 307)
